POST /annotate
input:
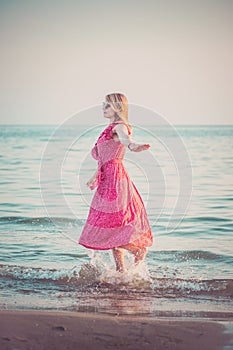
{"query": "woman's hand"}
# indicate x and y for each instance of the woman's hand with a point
(135, 147)
(93, 182)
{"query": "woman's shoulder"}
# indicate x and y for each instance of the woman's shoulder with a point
(120, 125)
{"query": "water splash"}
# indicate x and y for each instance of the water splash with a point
(101, 270)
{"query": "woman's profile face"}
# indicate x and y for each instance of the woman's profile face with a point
(108, 111)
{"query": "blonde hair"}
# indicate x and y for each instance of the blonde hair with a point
(119, 104)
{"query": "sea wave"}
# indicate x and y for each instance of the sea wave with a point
(90, 277)
(194, 255)
(39, 220)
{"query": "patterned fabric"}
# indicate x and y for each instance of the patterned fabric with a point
(117, 215)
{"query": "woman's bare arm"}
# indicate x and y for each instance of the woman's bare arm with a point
(92, 180)
(125, 139)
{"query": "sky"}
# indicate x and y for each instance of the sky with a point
(61, 57)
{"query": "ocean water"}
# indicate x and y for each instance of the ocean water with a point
(185, 180)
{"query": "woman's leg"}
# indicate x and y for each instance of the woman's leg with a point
(118, 255)
(139, 253)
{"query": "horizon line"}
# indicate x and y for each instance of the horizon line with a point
(57, 124)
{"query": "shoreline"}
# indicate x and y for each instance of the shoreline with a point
(40, 329)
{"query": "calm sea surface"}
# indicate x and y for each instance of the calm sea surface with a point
(45, 202)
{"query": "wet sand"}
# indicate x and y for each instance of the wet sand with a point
(37, 330)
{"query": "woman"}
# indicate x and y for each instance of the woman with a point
(117, 217)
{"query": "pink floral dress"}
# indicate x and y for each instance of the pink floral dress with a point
(117, 215)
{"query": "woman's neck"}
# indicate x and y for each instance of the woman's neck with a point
(116, 121)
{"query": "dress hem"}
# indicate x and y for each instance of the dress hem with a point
(118, 246)
(96, 248)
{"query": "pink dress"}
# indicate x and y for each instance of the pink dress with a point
(117, 215)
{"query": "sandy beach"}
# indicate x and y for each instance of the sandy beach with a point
(37, 330)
